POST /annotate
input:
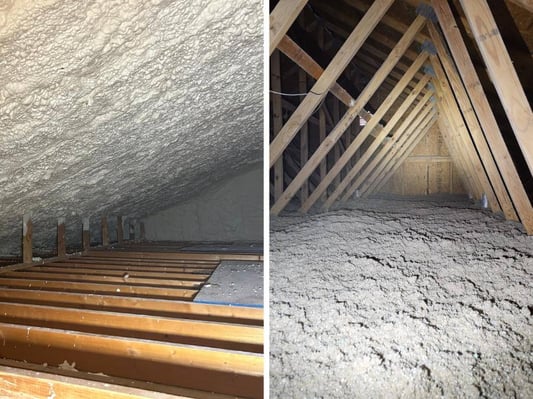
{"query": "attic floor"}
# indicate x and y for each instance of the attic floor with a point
(401, 298)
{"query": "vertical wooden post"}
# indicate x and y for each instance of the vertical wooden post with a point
(143, 232)
(304, 138)
(131, 230)
(105, 231)
(27, 231)
(120, 230)
(337, 148)
(61, 246)
(86, 234)
(277, 119)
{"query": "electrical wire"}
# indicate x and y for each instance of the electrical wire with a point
(295, 94)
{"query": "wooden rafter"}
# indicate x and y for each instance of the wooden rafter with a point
(484, 113)
(281, 19)
(503, 74)
(380, 112)
(473, 124)
(328, 78)
(350, 115)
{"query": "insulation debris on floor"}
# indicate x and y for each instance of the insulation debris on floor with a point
(390, 298)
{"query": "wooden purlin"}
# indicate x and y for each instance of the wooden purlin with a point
(473, 125)
(416, 121)
(328, 78)
(380, 112)
(350, 115)
(304, 138)
(176, 346)
(410, 146)
(281, 19)
(400, 114)
(502, 73)
(484, 114)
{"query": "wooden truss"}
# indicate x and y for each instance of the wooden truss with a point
(437, 85)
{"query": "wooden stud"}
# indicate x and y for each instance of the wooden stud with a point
(363, 135)
(398, 115)
(86, 234)
(277, 120)
(143, 232)
(281, 19)
(120, 230)
(484, 113)
(304, 138)
(349, 116)
(105, 231)
(61, 245)
(502, 73)
(27, 233)
(328, 78)
(473, 125)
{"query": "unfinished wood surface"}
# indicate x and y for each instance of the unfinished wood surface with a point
(400, 114)
(120, 230)
(120, 330)
(527, 4)
(465, 140)
(27, 233)
(304, 138)
(473, 125)
(190, 332)
(61, 245)
(281, 19)
(147, 306)
(484, 113)
(277, 118)
(187, 256)
(328, 78)
(502, 73)
(409, 146)
(348, 117)
(408, 132)
(105, 231)
(380, 112)
(143, 232)
(223, 371)
(86, 234)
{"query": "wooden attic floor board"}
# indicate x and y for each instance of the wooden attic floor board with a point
(126, 316)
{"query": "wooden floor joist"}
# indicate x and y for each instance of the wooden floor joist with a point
(95, 316)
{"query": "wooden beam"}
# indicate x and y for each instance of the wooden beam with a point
(143, 232)
(209, 369)
(95, 252)
(398, 115)
(86, 234)
(120, 230)
(473, 124)
(527, 4)
(429, 158)
(418, 118)
(485, 115)
(349, 116)
(27, 233)
(87, 271)
(190, 332)
(281, 19)
(363, 135)
(328, 78)
(465, 142)
(61, 246)
(148, 306)
(105, 231)
(277, 119)
(502, 73)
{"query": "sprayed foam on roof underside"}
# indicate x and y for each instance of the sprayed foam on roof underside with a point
(123, 107)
